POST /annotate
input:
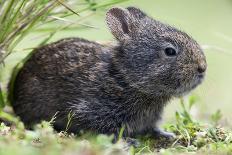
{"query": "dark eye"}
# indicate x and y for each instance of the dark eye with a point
(170, 52)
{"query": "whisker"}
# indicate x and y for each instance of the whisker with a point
(209, 48)
(223, 36)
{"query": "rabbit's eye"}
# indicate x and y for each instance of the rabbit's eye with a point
(170, 52)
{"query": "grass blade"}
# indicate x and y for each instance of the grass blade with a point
(2, 103)
(67, 7)
(14, 74)
(11, 24)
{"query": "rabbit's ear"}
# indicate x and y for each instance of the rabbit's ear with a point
(120, 23)
(137, 13)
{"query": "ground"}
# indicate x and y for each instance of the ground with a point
(192, 136)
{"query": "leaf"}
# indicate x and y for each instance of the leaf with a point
(2, 103)
(120, 136)
(69, 123)
(177, 116)
(186, 115)
(67, 7)
(14, 75)
(216, 116)
(192, 101)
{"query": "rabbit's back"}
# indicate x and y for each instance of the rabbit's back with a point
(53, 76)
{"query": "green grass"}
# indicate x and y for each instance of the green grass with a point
(192, 137)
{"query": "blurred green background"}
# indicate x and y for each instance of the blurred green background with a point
(208, 21)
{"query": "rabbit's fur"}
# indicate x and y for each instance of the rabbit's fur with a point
(105, 88)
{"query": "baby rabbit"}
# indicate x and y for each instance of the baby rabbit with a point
(105, 88)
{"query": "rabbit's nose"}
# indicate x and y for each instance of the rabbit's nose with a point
(202, 67)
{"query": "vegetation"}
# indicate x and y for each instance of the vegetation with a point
(192, 136)
(19, 19)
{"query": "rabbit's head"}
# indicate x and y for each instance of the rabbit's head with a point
(154, 57)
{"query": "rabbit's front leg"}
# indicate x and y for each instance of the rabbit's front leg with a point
(158, 133)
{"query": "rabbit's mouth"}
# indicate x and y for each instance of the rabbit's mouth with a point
(185, 88)
(196, 81)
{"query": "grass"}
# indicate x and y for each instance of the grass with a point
(20, 17)
(192, 137)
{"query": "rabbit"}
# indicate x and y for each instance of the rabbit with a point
(102, 88)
